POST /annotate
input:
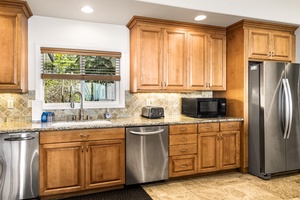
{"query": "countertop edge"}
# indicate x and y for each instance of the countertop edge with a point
(21, 127)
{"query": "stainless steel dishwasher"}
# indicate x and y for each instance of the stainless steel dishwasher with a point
(146, 154)
(19, 166)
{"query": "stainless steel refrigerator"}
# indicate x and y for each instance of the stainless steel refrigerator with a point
(274, 118)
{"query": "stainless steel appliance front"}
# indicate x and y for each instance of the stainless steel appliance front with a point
(146, 154)
(274, 120)
(19, 166)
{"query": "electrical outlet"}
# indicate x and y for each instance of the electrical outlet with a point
(29, 103)
(148, 102)
(10, 103)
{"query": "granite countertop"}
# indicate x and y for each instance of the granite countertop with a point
(11, 127)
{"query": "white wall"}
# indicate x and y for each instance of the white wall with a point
(45, 31)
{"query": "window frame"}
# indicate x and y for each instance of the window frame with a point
(120, 86)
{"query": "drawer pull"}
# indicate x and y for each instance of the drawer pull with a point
(183, 129)
(183, 166)
(209, 127)
(183, 139)
(84, 137)
(230, 126)
(183, 150)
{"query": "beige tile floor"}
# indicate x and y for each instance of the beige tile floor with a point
(231, 186)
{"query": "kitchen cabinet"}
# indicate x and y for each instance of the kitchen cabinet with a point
(182, 150)
(218, 146)
(207, 61)
(78, 160)
(14, 17)
(169, 56)
(270, 45)
(251, 40)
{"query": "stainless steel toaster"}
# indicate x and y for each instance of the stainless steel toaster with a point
(152, 112)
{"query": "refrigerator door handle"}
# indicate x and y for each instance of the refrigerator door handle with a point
(285, 117)
(290, 108)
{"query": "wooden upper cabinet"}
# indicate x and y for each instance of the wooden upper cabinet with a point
(216, 77)
(171, 56)
(270, 45)
(174, 59)
(147, 71)
(197, 62)
(14, 46)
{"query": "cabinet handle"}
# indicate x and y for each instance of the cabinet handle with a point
(183, 166)
(84, 136)
(183, 129)
(209, 127)
(230, 126)
(221, 137)
(87, 148)
(81, 149)
(183, 150)
(183, 139)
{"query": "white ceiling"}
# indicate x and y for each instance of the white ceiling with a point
(121, 11)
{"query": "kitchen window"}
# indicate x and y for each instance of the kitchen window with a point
(95, 74)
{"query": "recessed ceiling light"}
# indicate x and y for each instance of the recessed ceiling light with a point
(200, 17)
(87, 9)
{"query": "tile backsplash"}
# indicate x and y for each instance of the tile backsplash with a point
(134, 102)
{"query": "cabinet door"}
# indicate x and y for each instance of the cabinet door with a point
(282, 46)
(259, 44)
(197, 60)
(216, 72)
(146, 71)
(182, 165)
(229, 149)
(13, 48)
(105, 163)
(175, 45)
(208, 152)
(61, 168)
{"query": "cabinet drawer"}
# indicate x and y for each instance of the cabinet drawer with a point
(208, 127)
(177, 150)
(182, 165)
(183, 139)
(183, 128)
(81, 135)
(230, 126)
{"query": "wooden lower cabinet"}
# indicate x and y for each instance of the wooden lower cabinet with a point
(218, 148)
(76, 164)
(182, 150)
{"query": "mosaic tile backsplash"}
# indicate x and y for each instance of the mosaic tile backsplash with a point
(171, 102)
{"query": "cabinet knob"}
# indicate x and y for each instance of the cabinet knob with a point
(84, 136)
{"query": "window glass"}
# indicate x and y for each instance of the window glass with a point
(96, 76)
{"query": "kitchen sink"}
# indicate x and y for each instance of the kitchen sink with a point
(81, 123)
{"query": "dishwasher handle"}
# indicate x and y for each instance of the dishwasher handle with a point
(144, 133)
(12, 139)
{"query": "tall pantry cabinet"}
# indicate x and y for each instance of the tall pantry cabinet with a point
(13, 46)
(249, 40)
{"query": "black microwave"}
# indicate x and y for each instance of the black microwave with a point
(204, 107)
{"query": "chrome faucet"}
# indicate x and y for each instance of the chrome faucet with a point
(72, 104)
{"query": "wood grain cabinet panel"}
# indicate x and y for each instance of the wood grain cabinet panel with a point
(81, 164)
(14, 17)
(169, 56)
(270, 45)
(62, 168)
(218, 150)
(182, 150)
